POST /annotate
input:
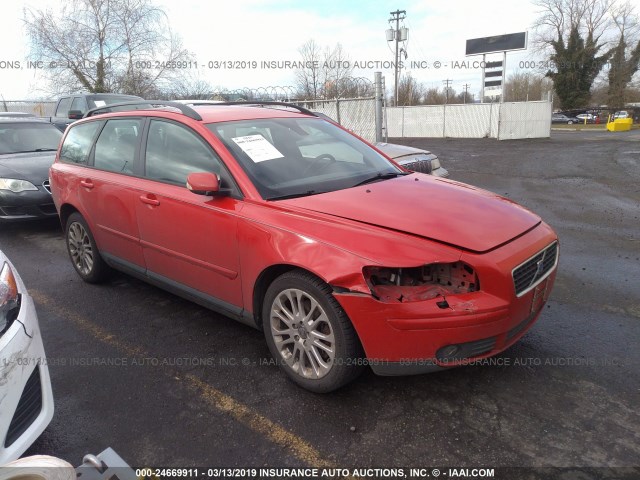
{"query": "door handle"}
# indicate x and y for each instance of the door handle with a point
(87, 184)
(149, 200)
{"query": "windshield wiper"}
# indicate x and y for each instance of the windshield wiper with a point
(381, 176)
(37, 150)
(295, 195)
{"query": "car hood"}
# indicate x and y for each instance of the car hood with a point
(394, 150)
(442, 210)
(32, 166)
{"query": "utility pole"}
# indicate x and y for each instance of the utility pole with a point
(447, 82)
(399, 35)
(466, 89)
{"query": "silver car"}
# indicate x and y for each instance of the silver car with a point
(26, 401)
(414, 159)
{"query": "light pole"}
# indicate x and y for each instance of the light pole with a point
(399, 35)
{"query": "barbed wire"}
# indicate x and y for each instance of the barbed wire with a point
(347, 87)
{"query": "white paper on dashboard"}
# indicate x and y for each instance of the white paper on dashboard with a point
(257, 148)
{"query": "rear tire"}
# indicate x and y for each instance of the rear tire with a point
(83, 251)
(309, 334)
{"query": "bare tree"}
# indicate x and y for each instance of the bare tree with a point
(337, 72)
(410, 91)
(435, 96)
(310, 79)
(524, 86)
(106, 46)
(189, 86)
(570, 31)
(325, 73)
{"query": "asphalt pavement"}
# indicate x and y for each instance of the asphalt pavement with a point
(167, 383)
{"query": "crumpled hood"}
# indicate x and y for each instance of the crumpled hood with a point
(443, 210)
(32, 166)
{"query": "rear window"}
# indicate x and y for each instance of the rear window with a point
(77, 144)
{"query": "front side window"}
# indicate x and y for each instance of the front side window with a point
(117, 144)
(79, 104)
(173, 152)
(77, 144)
(288, 157)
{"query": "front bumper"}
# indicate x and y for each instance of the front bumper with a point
(420, 337)
(26, 205)
(26, 399)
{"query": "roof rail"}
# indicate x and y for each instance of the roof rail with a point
(267, 104)
(144, 105)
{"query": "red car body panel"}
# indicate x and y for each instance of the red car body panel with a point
(415, 331)
(221, 246)
(448, 211)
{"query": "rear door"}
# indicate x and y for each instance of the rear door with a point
(188, 240)
(106, 186)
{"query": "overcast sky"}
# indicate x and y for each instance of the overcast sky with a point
(253, 30)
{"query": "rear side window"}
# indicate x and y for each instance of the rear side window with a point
(117, 144)
(63, 107)
(77, 144)
(173, 152)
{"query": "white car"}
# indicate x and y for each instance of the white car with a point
(26, 400)
(589, 117)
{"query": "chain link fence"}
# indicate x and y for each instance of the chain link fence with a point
(37, 108)
(355, 114)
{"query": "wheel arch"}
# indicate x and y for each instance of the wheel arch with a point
(266, 278)
(66, 211)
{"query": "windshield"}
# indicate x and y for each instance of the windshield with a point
(28, 137)
(289, 157)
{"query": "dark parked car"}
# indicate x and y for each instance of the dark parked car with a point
(561, 118)
(27, 150)
(73, 107)
(16, 114)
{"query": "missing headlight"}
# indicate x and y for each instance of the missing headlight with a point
(420, 283)
(9, 298)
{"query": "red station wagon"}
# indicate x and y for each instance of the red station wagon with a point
(290, 224)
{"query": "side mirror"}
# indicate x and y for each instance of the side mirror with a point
(203, 183)
(75, 114)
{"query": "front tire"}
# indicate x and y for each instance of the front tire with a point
(83, 251)
(309, 334)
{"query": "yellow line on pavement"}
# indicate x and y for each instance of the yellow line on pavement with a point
(294, 445)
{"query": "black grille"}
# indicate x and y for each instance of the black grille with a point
(466, 350)
(29, 407)
(47, 186)
(521, 326)
(535, 269)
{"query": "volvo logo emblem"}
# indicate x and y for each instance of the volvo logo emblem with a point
(539, 268)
